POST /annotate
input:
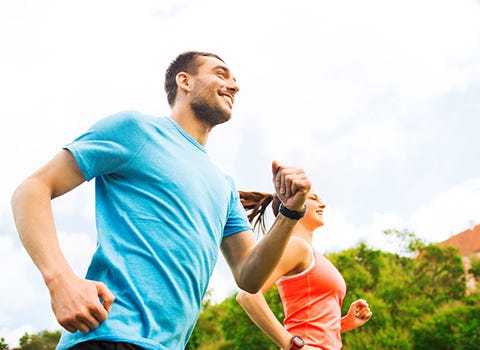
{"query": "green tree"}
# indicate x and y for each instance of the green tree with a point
(44, 340)
(400, 288)
(227, 327)
(379, 278)
(475, 268)
(417, 283)
(439, 274)
(207, 334)
(3, 345)
(241, 332)
(453, 327)
(406, 242)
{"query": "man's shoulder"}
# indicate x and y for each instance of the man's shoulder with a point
(131, 119)
(132, 115)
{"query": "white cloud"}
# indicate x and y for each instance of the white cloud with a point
(78, 249)
(16, 289)
(449, 212)
(24, 304)
(341, 88)
(13, 335)
(222, 283)
(367, 143)
(338, 233)
(78, 205)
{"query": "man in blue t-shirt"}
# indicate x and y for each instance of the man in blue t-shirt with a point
(163, 210)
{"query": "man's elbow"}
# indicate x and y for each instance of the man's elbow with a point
(16, 198)
(29, 190)
(248, 285)
(247, 277)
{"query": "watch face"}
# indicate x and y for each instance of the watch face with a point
(297, 341)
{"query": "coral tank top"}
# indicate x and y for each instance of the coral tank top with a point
(312, 303)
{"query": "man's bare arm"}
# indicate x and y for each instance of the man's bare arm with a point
(74, 300)
(251, 265)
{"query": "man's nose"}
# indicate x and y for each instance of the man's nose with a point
(233, 87)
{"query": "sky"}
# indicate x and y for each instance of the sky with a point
(377, 100)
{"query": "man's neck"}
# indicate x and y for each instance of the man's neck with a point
(192, 126)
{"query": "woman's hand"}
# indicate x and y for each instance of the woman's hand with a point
(359, 313)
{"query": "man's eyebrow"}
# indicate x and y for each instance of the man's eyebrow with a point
(226, 69)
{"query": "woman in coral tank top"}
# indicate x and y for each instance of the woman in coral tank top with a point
(310, 286)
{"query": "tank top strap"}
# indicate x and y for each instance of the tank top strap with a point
(310, 267)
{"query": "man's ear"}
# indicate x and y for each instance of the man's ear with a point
(184, 81)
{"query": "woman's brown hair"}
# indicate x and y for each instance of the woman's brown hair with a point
(256, 203)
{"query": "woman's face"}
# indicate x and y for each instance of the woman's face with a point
(314, 212)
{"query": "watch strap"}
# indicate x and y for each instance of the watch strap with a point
(296, 343)
(292, 214)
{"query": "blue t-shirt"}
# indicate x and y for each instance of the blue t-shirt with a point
(162, 210)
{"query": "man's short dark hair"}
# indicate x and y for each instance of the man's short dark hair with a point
(185, 62)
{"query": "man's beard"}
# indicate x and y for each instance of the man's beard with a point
(209, 112)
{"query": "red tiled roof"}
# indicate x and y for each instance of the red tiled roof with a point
(467, 242)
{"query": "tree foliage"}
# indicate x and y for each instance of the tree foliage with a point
(241, 331)
(413, 293)
(417, 295)
(453, 327)
(44, 340)
(207, 334)
(475, 268)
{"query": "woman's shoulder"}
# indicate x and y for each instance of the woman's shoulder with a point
(299, 244)
(298, 255)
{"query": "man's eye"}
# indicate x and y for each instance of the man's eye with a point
(221, 74)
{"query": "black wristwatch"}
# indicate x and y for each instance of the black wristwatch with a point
(292, 214)
(296, 343)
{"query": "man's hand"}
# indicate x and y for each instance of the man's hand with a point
(291, 185)
(79, 304)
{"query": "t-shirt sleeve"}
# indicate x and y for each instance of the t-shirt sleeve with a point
(108, 145)
(237, 220)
